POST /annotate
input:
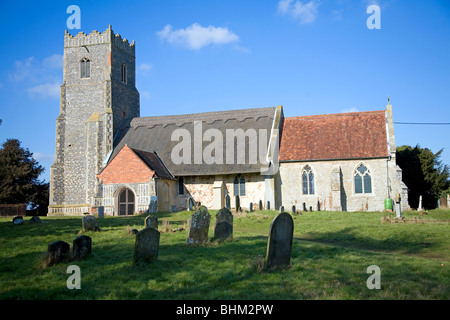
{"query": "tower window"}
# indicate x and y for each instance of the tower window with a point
(124, 73)
(85, 68)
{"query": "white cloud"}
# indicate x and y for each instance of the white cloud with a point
(350, 110)
(41, 157)
(144, 68)
(54, 61)
(304, 12)
(40, 78)
(145, 95)
(196, 37)
(51, 90)
(22, 69)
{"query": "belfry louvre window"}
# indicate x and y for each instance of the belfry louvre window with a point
(85, 68)
(239, 186)
(124, 73)
(308, 181)
(363, 180)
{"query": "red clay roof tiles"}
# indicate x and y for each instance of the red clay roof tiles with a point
(334, 136)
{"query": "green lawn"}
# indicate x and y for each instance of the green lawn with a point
(330, 256)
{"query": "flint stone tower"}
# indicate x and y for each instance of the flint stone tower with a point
(98, 92)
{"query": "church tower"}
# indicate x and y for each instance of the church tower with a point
(97, 93)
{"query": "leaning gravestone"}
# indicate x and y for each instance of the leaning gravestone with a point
(152, 222)
(199, 226)
(57, 251)
(223, 229)
(89, 223)
(146, 246)
(82, 246)
(279, 245)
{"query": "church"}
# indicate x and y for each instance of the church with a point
(109, 159)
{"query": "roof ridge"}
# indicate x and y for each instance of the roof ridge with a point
(240, 115)
(342, 114)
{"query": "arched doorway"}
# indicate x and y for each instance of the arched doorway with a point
(126, 203)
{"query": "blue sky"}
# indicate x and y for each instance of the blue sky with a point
(311, 56)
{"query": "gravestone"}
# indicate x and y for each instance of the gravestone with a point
(268, 205)
(101, 212)
(17, 220)
(57, 251)
(151, 222)
(318, 206)
(81, 247)
(279, 245)
(260, 205)
(146, 246)
(190, 204)
(420, 204)
(250, 207)
(281, 209)
(238, 203)
(89, 223)
(35, 219)
(294, 210)
(199, 226)
(304, 207)
(227, 202)
(223, 229)
(153, 207)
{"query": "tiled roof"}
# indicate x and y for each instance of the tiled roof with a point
(334, 136)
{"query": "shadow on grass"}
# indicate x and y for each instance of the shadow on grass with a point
(347, 238)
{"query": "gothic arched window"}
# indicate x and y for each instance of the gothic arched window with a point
(239, 186)
(85, 68)
(308, 181)
(363, 180)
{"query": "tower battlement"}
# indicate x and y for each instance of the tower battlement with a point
(95, 37)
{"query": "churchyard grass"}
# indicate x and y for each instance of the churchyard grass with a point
(331, 252)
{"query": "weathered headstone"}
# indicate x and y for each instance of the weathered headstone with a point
(294, 210)
(223, 229)
(199, 226)
(279, 245)
(146, 246)
(89, 223)
(57, 251)
(227, 202)
(190, 204)
(281, 209)
(318, 205)
(238, 203)
(250, 207)
(153, 207)
(101, 212)
(35, 219)
(17, 220)
(260, 205)
(268, 205)
(304, 207)
(151, 221)
(81, 247)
